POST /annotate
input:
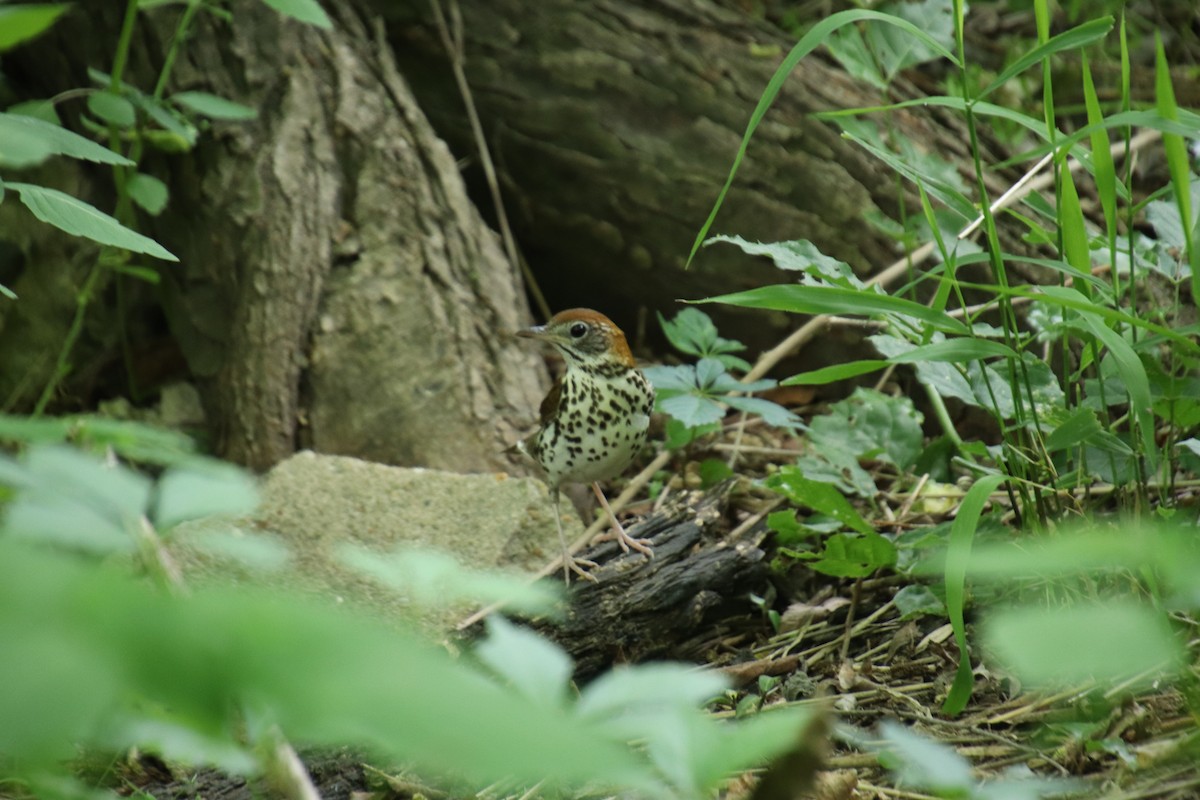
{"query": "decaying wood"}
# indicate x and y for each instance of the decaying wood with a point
(643, 609)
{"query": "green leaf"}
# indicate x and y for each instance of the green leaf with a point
(800, 255)
(851, 556)
(955, 351)
(212, 106)
(648, 688)
(38, 109)
(535, 667)
(1178, 163)
(943, 190)
(25, 141)
(112, 108)
(870, 425)
(1074, 234)
(1074, 431)
(1072, 39)
(80, 219)
(434, 579)
(917, 599)
(772, 413)
(1133, 374)
(835, 372)
(1104, 641)
(85, 644)
(836, 300)
(148, 192)
(307, 11)
(203, 489)
(958, 556)
(20, 23)
(1102, 160)
(820, 497)
(926, 764)
(810, 41)
(692, 410)
(693, 332)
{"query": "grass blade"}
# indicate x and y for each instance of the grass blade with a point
(809, 42)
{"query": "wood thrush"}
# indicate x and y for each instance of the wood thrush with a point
(594, 420)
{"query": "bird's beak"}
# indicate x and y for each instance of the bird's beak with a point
(536, 332)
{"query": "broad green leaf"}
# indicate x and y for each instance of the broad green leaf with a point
(1133, 374)
(625, 690)
(434, 579)
(869, 425)
(917, 599)
(800, 255)
(820, 497)
(20, 133)
(809, 42)
(772, 413)
(148, 192)
(853, 556)
(82, 641)
(835, 372)
(1074, 431)
(692, 410)
(1104, 641)
(112, 108)
(20, 22)
(210, 105)
(307, 11)
(925, 763)
(1072, 39)
(958, 557)
(80, 219)
(538, 669)
(836, 300)
(203, 489)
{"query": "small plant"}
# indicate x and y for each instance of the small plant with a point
(696, 396)
(128, 121)
(100, 659)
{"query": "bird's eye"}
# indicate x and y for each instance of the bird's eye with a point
(578, 330)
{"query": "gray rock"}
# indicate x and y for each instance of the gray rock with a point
(314, 505)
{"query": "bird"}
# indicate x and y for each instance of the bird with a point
(594, 420)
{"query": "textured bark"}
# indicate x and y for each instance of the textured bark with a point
(615, 122)
(333, 241)
(695, 586)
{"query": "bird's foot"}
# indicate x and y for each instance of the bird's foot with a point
(580, 567)
(618, 533)
(625, 541)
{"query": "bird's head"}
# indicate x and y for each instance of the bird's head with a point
(584, 337)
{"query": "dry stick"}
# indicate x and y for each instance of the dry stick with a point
(1028, 183)
(453, 42)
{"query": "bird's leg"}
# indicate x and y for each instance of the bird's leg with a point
(570, 563)
(618, 532)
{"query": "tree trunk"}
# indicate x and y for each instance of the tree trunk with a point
(614, 124)
(336, 287)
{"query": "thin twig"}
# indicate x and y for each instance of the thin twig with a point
(452, 40)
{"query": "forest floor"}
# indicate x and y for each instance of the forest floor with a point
(848, 646)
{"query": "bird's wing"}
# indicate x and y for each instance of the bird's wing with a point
(550, 402)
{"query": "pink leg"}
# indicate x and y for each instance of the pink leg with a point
(618, 532)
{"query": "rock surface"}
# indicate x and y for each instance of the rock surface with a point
(314, 505)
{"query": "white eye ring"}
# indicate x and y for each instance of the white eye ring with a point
(579, 330)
